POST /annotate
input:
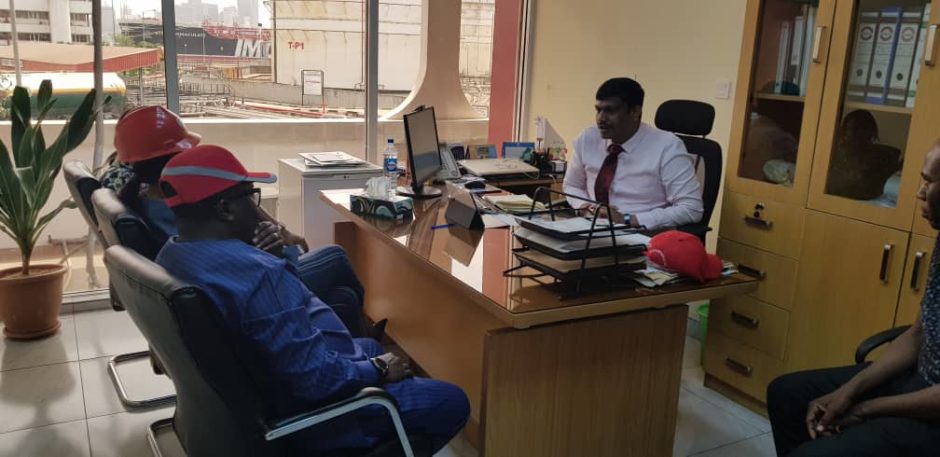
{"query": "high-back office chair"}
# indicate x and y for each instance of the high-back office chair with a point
(82, 184)
(219, 410)
(118, 225)
(692, 121)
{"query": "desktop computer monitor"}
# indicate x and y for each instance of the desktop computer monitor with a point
(424, 156)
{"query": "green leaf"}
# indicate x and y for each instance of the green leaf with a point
(79, 125)
(12, 199)
(29, 168)
(45, 93)
(48, 217)
(43, 111)
(20, 115)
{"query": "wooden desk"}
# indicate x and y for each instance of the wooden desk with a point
(593, 376)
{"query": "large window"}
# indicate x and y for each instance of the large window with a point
(265, 78)
(476, 51)
(55, 44)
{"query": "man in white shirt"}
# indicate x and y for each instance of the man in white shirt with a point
(643, 173)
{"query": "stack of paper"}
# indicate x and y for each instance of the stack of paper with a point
(653, 276)
(330, 159)
(514, 204)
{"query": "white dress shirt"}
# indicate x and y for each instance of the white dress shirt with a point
(655, 179)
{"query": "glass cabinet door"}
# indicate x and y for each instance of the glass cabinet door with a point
(783, 71)
(864, 166)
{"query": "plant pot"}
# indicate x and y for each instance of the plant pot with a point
(30, 305)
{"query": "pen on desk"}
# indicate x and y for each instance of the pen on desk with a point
(436, 227)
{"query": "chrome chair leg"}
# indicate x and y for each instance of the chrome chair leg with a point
(122, 392)
(152, 431)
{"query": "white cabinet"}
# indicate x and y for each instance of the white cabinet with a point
(299, 206)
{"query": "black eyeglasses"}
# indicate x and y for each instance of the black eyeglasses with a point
(253, 194)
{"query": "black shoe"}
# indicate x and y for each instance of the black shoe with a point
(377, 332)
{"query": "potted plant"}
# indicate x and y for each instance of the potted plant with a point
(31, 295)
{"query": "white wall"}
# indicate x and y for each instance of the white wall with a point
(674, 48)
(257, 143)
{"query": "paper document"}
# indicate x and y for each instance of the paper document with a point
(515, 204)
(572, 225)
(566, 246)
(330, 159)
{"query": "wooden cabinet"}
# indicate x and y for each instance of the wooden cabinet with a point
(869, 149)
(776, 118)
(827, 146)
(847, 288)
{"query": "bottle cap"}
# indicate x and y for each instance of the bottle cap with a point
(391, 141)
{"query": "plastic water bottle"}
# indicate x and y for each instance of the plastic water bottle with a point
(391, 166)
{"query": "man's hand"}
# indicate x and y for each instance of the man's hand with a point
(272, 237)
(854, 416)
(268, 237)
(398, 368)
(588, 210)
(823, 411)
(292, 239)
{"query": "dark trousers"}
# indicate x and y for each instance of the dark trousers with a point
(788, 399)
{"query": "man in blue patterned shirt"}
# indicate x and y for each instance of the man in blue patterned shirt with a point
(884, 408)
(289, 336)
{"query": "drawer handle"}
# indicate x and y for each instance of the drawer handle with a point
(817, 42)
(929, 54)
(758, 223)
(739, 367)
(915, 271)
(885, 256)
(751, 271)
(744, 320)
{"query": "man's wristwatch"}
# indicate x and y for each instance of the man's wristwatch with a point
(381, 366)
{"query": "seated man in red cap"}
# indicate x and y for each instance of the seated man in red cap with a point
(146, 138)
(284, 331)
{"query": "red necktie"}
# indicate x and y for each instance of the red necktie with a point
(605, 177)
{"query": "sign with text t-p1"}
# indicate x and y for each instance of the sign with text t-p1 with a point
(312, 82)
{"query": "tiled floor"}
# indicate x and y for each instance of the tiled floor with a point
(57, 400)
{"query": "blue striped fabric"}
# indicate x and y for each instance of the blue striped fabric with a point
(295, 340)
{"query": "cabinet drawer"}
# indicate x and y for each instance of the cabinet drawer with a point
(777, 273)
(744, 368)
(764, 224)
(754, 323)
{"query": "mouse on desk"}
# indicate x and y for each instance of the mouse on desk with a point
(475, 185)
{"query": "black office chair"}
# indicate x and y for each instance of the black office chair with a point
(220, 409)
(692, 121)
(875, 341)
(82, 184)
(119, 226)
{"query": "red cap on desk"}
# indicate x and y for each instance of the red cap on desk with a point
(685, 254)
(204, 171)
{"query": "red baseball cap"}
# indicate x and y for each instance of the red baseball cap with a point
(204, 171)
(685, 254)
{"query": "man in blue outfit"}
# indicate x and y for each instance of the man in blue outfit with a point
(282, 329)
(147, 137)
